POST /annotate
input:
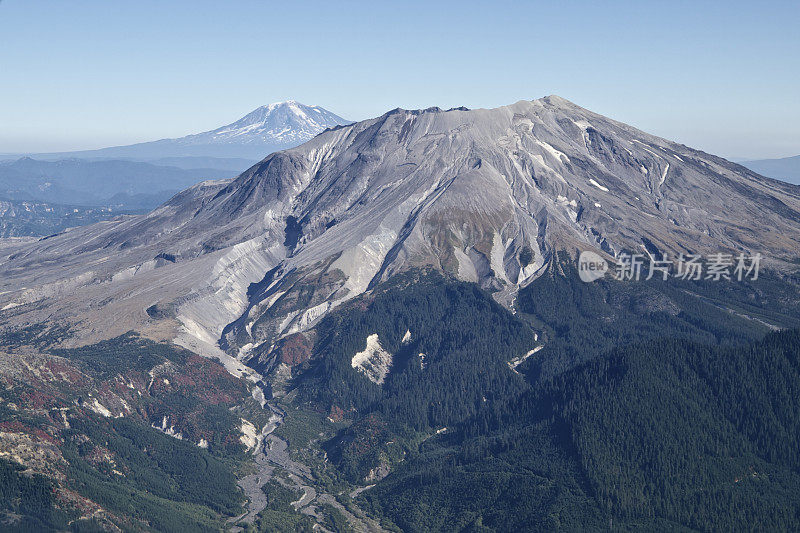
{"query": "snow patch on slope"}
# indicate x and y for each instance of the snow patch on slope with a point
(601, 187)
(558, 155)
(664, 175)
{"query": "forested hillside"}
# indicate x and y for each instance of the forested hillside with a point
(651, 405)
(663, 435)
(581, 320)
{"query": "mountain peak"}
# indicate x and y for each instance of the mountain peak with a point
(552, 100)
(490, 196)
(556, 100)
(277, 125)
(286, 104)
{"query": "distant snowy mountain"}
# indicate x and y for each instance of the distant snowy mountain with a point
(284, 123)
(253, 137)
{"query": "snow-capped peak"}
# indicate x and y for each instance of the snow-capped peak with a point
(271, 127)
(288, 123)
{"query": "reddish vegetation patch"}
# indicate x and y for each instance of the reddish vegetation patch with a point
(210, 381)
(295, 349)
(161, 385)
(208, 376)
(195, 399)
(209, 368)
(74, 500)
(38, 399)
(370, 432)
(217, 397)
(66, 372)
(15, 426)
(98, 455)
(106, 388)
(336, 413)
(184, 380)
(203, 383)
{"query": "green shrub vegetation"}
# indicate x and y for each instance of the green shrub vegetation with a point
(27, 502)
(280, 516)
(164, 482)
(127, 352)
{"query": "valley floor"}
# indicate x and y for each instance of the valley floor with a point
(271, 454)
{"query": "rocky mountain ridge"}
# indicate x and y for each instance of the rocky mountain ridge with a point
(484, 195)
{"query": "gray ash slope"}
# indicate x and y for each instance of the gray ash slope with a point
(485, 195)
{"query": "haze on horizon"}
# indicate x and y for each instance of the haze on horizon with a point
(95, 74)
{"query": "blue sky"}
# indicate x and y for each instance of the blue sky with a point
(720, 76)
